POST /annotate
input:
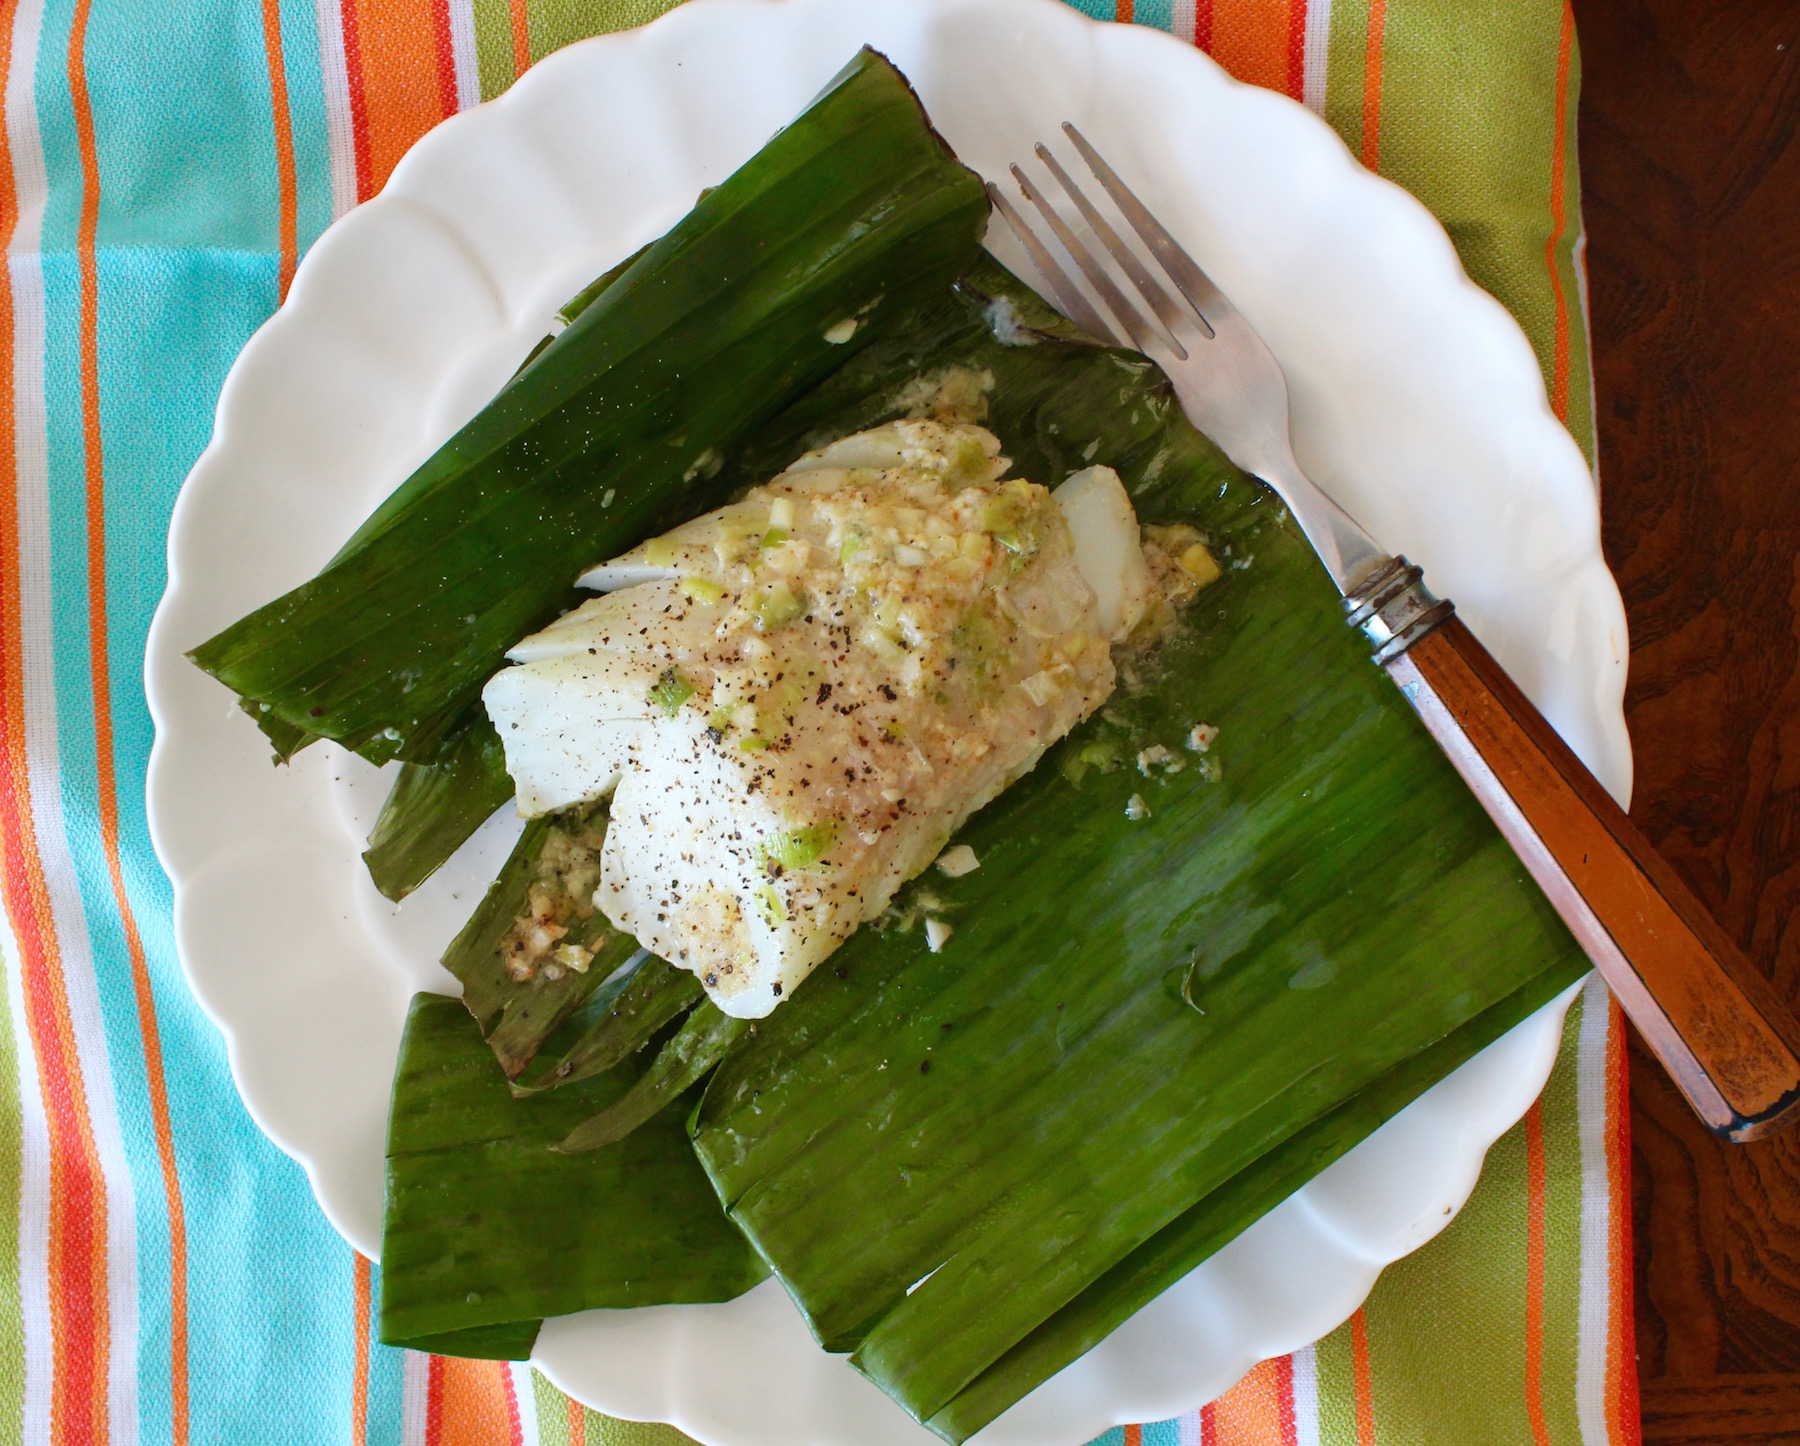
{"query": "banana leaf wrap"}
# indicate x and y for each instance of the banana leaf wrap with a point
(487, 1231)
(857, 210)
(1133, 1013)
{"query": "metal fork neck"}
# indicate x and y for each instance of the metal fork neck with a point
(1394, 609)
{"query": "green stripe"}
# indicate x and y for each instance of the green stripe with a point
(1562, 1237)
(556, 23)
(1469, 127)
(1444, 1374)
(552, 1412)
(493, 46)
(1346, 64)
(1581, 380)
(604, 1431)
(1336, 1369)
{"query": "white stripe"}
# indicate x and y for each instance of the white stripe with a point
(340, 130)
(30, 182)
(1316, 54)
(1594, 1321)
(34, 1212)
(415, 1391)
(1181, 26)
(1187, 1429)
(462, 49)
(527, 1399)
(43, 770)
(1306, 1398)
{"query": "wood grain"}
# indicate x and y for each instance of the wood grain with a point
(1691, 191)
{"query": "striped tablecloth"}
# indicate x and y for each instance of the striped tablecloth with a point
(164, 1274)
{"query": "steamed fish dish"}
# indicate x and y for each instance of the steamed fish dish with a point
(795, 700)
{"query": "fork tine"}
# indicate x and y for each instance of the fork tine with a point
(1195, 284)
(1128, 315)
(1164, 305)
(1075, 306)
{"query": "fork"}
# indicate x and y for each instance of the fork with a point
(1731, 1046)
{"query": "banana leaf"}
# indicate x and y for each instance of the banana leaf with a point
(1194, 1236)
(615, 1023)
(855, 212)
(683, 1061)
(434, 807)
(1138, 1006)
(487, 1230)
(517, 1014)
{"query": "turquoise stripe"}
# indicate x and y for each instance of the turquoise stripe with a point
(196, 165)
(1159, 15)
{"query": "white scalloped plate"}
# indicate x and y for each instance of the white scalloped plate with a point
(1417, 403)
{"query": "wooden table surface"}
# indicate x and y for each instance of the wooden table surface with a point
(1690, 154)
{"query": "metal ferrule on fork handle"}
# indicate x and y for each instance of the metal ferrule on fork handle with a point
(1394, 608)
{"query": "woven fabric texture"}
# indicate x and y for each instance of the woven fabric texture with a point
(164, 1274)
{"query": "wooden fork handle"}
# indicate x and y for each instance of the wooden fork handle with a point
(1715, 1023)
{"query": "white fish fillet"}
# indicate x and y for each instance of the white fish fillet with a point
(815, 688)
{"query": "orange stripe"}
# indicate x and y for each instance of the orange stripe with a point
(1559, 367)
(470, 1403)
(359, 1368)
(445, 47)
(105, 782)
(577, 1424)
(99, 669)
(521, 38)
(1124, 11)
(1296, 50)
(515, 1426)
(1250, 39)
(1624, 1420)
(399, 78)
(1362, 1376)
(1134, 1436)
(1284, 1400)
(284, 146)
(1534, 1274)
(359, 99)
(434, 1401)
(1377, 37)
(1250, 1413)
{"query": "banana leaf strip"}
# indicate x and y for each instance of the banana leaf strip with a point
(517, 1008)
(434, 807)
(1221, 1216)
(616, 1022)
(1137, 1005)
(487, 1230)
(284, 738)
(856, 212)
(680, 1064)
